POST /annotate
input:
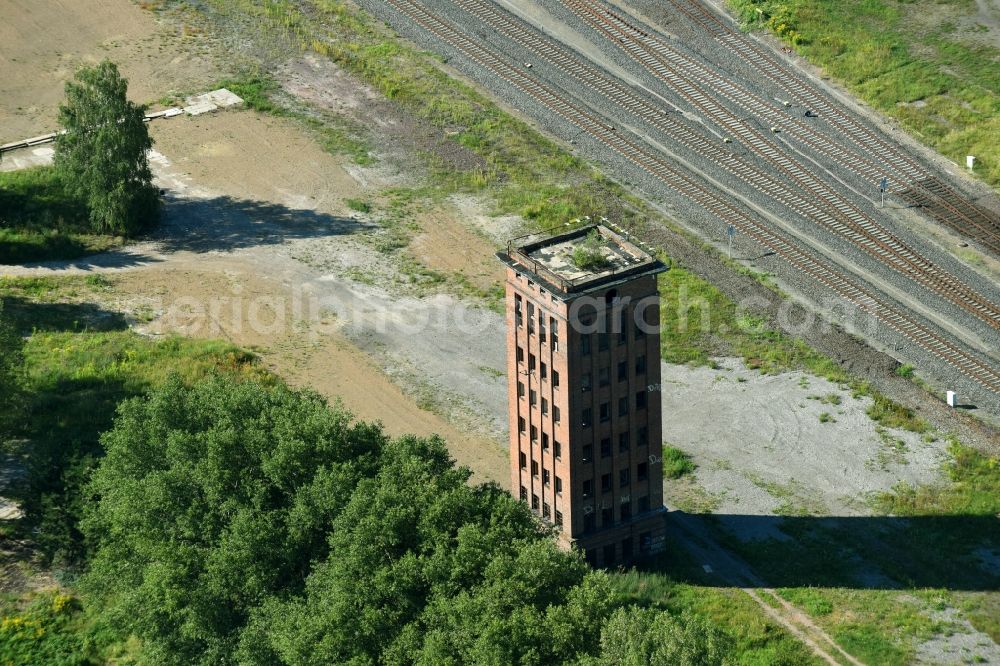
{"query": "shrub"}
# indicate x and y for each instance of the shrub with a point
(676, 463)
(588, 255)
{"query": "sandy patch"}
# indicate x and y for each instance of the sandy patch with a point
(446, 244)
(244, 155)
(498, 228)
(43, 42)
(228, 297)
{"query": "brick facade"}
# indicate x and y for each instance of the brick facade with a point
(584, 374)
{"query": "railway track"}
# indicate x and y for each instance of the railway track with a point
(661, 169)
(915, 183)
(639, 105)
(840, 216)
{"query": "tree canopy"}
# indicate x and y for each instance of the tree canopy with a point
(102, 154)
(233, 522)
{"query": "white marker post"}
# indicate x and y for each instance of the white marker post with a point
(951, 398)
(969, 161)
(730, 233)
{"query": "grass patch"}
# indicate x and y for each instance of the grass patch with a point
(358, 205)
(676, 463)
(876, 626)
(795, 499)
(41, 221)
(893, 54)
(974, 488)
(687, 495)
(698, 322)
(893, 415)
(80, 361)
(36, 304)
(257, 90)
(44, 628)
(812, 600)
(491, 372)
(491, 297)
(757, 640)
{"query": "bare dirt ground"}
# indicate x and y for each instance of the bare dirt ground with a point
(456, 249)
(43, 42)
(306, 351)
(254, 247)
(789, 443)
(249, 157)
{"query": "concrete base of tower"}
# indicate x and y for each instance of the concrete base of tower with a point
(641, 537)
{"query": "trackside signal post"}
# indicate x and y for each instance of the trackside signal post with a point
(583, 367)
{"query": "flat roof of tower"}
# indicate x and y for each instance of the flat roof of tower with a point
(580, 260)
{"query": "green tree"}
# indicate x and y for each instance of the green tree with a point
(424, 569)
(237, 523)
(209, 500)
(102, 154)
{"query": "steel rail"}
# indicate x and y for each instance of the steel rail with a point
(851, 223)
(946, 206)
(802, 260)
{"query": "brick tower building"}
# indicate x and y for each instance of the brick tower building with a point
(583, 362)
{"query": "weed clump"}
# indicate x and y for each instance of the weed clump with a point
(589, 254)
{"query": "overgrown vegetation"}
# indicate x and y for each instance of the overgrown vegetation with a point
(893, 415)
(234, 519)
(41, 220)
(284, 532)
(676, 463)
(919, 62)
(11, 360)
(359, 205)
(79, 363)
(589, 254)
(697, 322)
(46, 629)
(100, 188)
(756, 642)
(974, 489)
